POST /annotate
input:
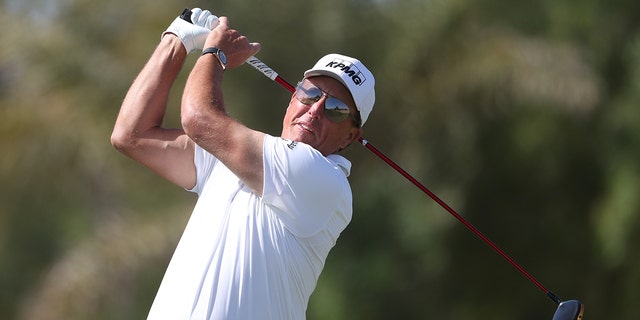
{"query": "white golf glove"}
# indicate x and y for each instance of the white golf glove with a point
(193, 35)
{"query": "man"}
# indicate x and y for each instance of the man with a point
(269, 209)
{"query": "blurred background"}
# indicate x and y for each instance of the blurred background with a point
(522, 115)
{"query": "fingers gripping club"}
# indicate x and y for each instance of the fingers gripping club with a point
(253, 61)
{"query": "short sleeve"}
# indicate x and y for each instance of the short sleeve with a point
(204, 163)
(304, 188)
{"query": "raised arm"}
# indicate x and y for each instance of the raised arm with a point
(138, 131)
(204, 117)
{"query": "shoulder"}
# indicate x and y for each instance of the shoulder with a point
(300, 156)
(305, 188)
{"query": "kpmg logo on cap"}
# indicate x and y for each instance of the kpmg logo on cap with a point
(348, 69)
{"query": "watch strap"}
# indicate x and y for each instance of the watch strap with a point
(216, 52)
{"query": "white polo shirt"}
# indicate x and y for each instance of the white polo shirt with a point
(242, 256)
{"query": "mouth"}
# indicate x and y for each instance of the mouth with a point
(305, 127)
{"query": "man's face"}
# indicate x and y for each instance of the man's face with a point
(309, 124)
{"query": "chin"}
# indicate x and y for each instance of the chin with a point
(300, 136)
(304, 139)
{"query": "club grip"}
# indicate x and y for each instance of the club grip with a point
(260, 66)
(253, 61)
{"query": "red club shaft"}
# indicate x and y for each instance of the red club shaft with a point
(444, 205)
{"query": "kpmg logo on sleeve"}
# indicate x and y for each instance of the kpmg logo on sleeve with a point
(348, 69)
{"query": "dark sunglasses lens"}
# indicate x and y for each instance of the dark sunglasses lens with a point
(308, 96)
(569, 310)
(336, 110)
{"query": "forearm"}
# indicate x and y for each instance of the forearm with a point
(203, 110)
(203, 113)
(206, 122)
(144, 106)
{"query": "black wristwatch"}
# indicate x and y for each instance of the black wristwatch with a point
(218, 54)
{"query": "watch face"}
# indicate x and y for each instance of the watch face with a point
(223, 57)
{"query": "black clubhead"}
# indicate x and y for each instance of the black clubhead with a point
(569, 310)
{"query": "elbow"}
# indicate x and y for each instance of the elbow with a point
(118, 141)
(122, 141)
(203, 123)
(193, 123)
(189, 122)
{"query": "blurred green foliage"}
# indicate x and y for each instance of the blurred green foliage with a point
(522, 115)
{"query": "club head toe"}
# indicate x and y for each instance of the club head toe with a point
(569, 310)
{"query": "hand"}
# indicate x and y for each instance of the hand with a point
(236, 47)
(193, 34)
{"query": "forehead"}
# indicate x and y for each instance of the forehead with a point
(333, 88)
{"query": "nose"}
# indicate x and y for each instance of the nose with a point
(316, 110)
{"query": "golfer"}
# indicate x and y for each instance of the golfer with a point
(269, 208)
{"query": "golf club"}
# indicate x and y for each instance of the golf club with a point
(567, 310)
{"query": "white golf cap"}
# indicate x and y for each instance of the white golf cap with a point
(353, 75)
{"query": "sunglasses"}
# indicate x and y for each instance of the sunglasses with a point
(334, 109)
